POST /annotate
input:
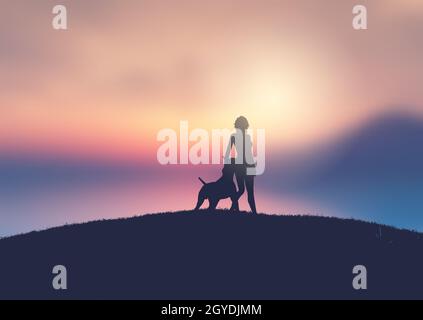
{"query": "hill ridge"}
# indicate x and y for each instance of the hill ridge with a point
(203, 212)
(201, 255)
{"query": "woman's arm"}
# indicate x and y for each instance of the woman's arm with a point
(227, 156)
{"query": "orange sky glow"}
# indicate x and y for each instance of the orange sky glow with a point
(126, 69)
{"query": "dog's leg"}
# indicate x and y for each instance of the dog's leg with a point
(213, 204)
(199, 203)
(200, 200)
(235, 204)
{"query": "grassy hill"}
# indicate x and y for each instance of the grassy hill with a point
(219, 255)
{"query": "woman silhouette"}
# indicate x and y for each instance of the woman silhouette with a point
(244, 160)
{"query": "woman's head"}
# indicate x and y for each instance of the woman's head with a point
(241, 123)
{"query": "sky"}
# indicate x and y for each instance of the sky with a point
(98, 93)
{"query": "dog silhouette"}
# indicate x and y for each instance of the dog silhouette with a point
(221, 189)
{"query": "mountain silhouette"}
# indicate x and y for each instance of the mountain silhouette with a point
(214, 255)
(385, 150)
(373, 173)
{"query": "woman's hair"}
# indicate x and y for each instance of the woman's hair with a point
(241, 123)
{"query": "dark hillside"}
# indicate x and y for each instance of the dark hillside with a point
(219, 255)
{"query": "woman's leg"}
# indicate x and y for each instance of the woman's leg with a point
(240, 181)
(249, 182)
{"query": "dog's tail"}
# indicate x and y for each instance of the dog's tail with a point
(202, 181)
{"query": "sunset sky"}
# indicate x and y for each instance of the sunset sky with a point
(101, 90)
